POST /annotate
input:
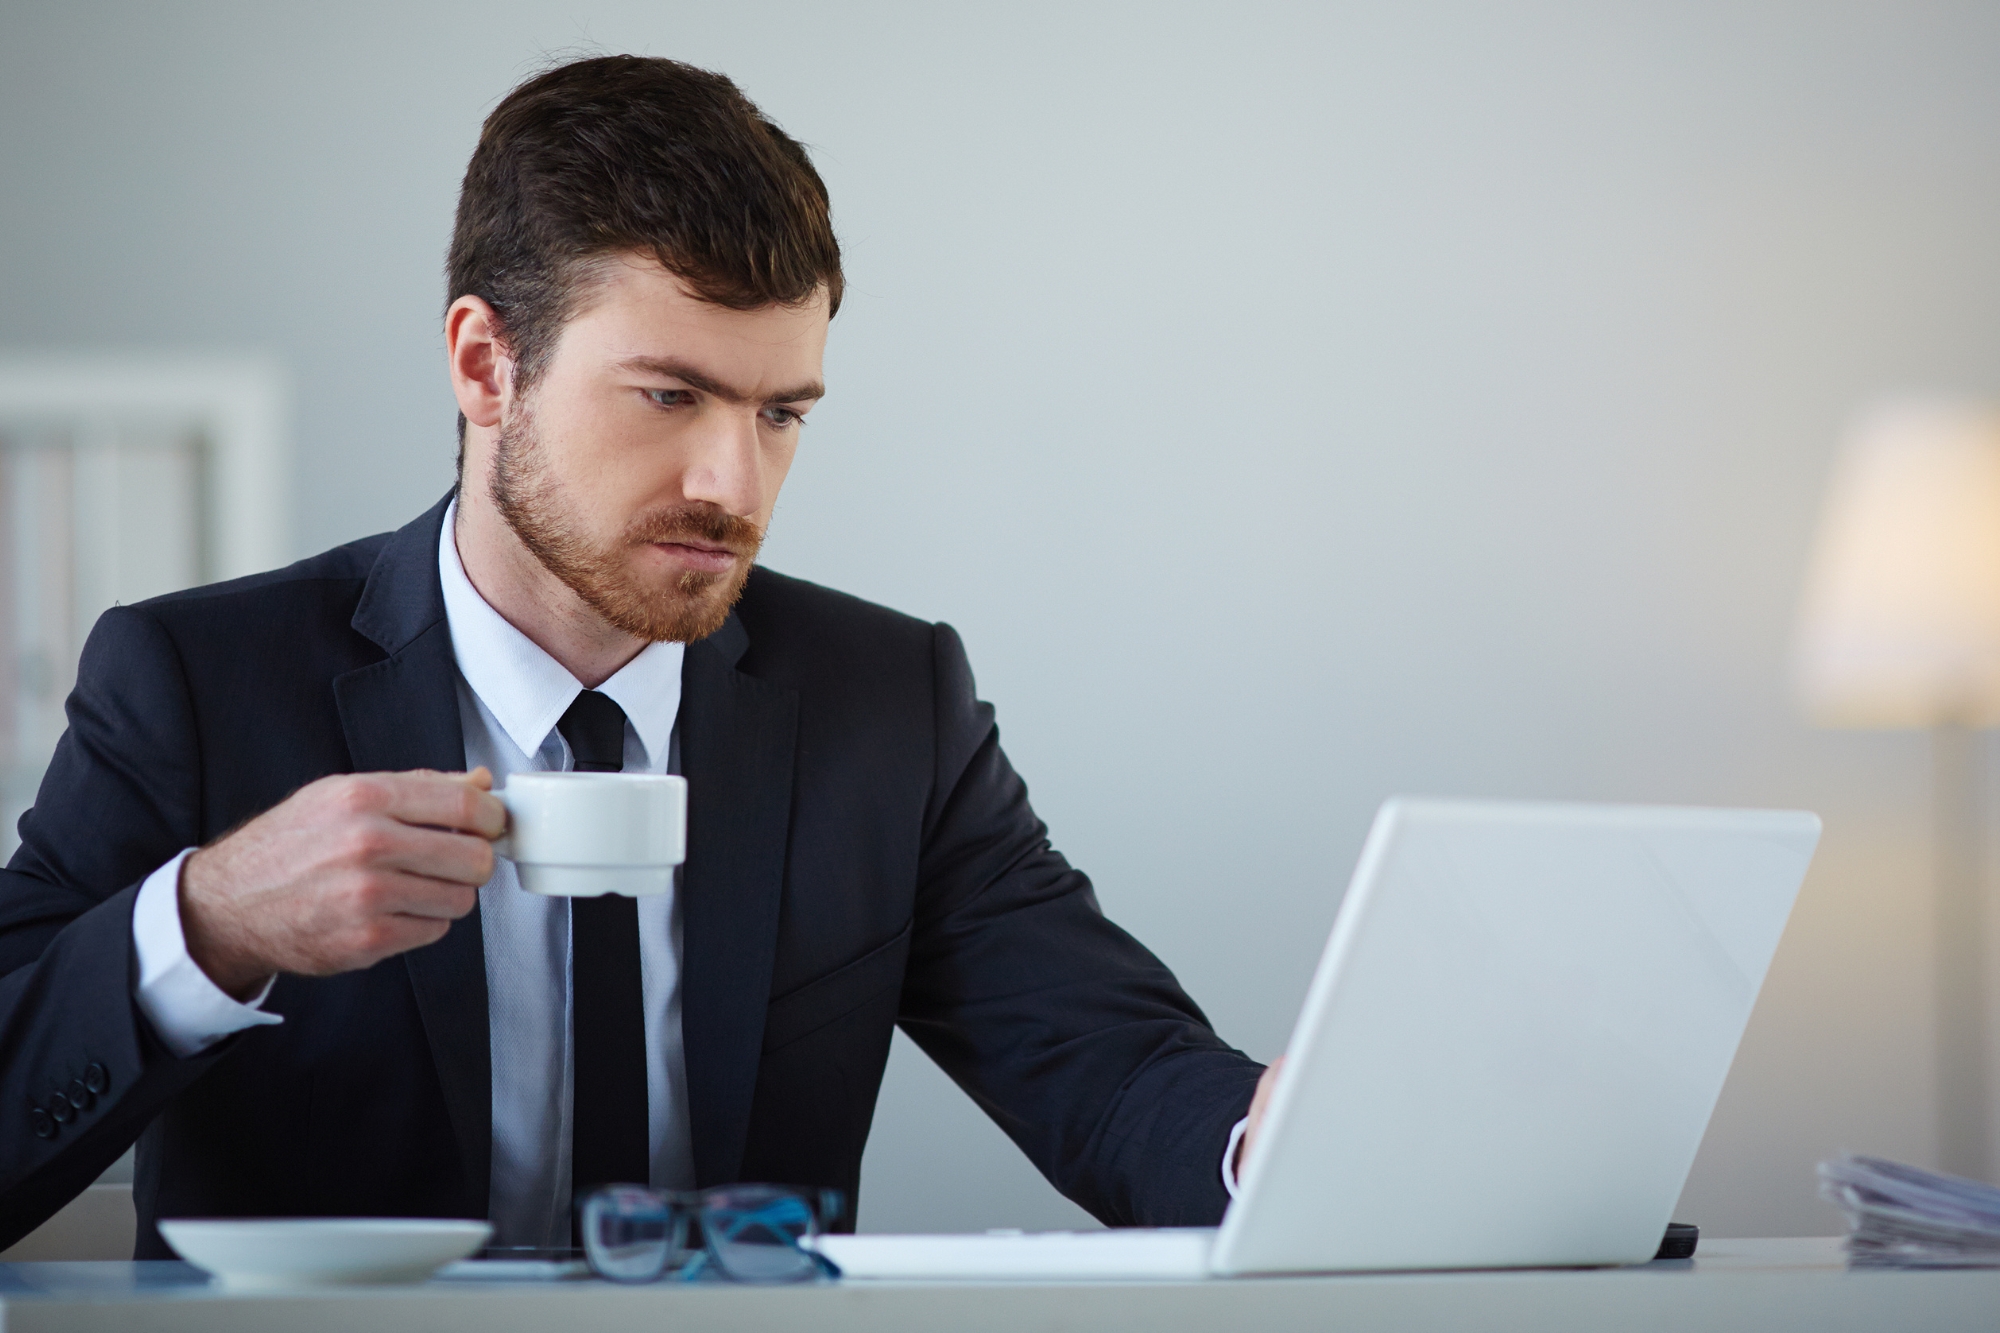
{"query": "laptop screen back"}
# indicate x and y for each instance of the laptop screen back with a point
(1516, 1035)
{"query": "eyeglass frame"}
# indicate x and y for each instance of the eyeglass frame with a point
(690, 1208)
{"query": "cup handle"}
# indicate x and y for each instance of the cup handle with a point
(504, 844)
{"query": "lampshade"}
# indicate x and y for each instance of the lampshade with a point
(1900, 620)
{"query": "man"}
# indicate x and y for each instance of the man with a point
(256, 922)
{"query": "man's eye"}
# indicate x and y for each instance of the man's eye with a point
(784, 418)
(668, 397)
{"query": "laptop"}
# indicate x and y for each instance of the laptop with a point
(1507, 1056)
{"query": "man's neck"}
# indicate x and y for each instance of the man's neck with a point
(531, 599)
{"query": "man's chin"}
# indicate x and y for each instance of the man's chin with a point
(700, 617)
(692, 606)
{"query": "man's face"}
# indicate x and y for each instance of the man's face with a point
(642, 466)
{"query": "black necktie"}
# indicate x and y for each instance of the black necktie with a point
(607, 1013)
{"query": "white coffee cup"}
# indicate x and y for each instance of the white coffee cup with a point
(578, 835)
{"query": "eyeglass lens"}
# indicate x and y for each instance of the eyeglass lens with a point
(632, 1234)
(760, 1233)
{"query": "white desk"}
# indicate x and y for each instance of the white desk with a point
(1759, 1285)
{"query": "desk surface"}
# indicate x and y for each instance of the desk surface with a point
(1745, 1284)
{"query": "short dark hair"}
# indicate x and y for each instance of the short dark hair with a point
(631, 153)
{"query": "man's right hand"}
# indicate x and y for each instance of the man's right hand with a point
(343, 873)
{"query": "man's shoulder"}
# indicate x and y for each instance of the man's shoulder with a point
(335, 576)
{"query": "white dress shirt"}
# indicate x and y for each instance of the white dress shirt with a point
(510, 696)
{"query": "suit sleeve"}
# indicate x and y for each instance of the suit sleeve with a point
(1073, 1037)
(121, 796)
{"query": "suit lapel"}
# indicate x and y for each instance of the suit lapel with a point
(737, 735)
(402, 713)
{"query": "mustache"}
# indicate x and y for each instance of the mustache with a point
(701, 522)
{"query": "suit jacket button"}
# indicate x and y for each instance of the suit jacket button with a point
(60, 1109)
(96, 1077)
(45, 1125)
(79, 1096)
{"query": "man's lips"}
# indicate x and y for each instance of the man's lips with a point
(696, 554)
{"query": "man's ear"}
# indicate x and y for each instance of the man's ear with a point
(476, 353)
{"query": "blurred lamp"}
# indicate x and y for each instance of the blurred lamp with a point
(1900, 627)
(1901, 624)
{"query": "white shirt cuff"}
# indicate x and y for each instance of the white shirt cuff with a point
(1229, 1156)
(189, 1012)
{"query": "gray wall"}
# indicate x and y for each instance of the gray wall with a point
(1290, 405)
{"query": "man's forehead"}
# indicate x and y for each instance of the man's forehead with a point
(638, 318)
(640, 280)
(642, 288)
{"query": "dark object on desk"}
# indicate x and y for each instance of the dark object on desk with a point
(1679, 1242)
(542, 1254)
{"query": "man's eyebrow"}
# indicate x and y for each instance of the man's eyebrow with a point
(669, 368)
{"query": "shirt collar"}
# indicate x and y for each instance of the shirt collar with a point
(525, 689)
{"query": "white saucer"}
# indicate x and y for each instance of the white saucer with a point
(269, 1253)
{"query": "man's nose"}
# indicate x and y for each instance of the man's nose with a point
(725, 465)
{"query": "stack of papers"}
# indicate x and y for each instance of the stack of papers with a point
(1901, 1217)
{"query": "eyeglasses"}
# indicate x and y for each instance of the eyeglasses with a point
(743, 1233)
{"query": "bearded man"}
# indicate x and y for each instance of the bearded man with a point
(256, 923)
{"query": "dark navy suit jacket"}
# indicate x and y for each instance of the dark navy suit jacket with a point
(860, 855)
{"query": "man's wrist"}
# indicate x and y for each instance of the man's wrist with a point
(237, 977)
(185, 1008)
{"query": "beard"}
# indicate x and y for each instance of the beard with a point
(676, 608)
